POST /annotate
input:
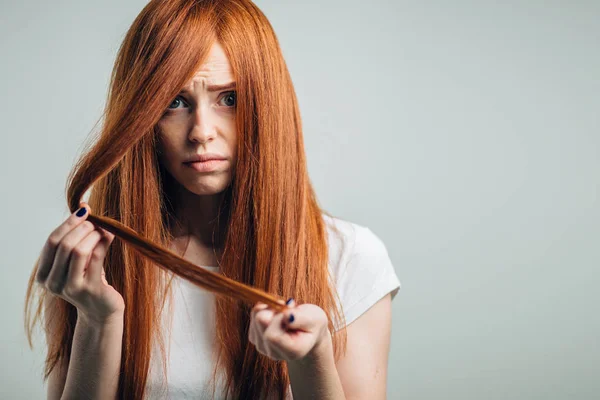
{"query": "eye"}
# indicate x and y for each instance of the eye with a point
(174, 105)
(229, 100)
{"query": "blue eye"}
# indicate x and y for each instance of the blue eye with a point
(230, 99)
(175, 103)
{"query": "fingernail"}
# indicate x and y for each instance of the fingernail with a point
(291, 318)
(81, 212)
(289, 301)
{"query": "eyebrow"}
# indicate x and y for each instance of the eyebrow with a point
(214, 88)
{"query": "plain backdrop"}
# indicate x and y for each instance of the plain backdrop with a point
(464, 134)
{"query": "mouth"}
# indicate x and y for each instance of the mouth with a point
(204, 157)
(209, 165)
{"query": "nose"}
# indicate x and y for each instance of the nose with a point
(204, 128)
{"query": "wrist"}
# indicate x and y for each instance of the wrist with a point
(112, 321)
(320, 354)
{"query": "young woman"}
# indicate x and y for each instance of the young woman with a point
(203, 121)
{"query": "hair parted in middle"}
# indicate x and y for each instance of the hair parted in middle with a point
(276, 241)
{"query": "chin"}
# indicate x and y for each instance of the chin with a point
(206, 186)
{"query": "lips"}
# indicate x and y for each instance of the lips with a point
(204, 157)
(210, 165)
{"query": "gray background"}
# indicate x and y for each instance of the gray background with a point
(465, 134)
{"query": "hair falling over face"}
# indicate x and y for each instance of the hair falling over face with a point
(276, 244)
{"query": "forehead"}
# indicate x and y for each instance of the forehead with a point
(216, 69)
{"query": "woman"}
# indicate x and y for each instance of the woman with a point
(203, 120)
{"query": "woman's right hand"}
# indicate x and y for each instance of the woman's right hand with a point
(71, 266)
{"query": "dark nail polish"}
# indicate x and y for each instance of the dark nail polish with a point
(81, 212)
(289, 301)
(291, 318)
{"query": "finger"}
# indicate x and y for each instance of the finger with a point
(263, 319)
(106, 233)
(104, 281)
(80, 257)
(95, 267)
(254, 329)
(111, 237)
(58, 273)
(257, 307)
(257, 339)
(251, 328)
(275, 336)
(290, 305)
(49, 250)
(302, 318)
(251, 337)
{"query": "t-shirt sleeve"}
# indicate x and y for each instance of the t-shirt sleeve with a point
(366, 276)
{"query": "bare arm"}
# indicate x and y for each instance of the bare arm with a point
(93, 371)
(363, 369)
(95, 360)
(361, 373)
(300, 336)
(71, 267)
(315, 376)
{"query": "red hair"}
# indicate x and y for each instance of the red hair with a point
(276, 242)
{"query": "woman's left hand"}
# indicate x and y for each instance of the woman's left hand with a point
(291, 335)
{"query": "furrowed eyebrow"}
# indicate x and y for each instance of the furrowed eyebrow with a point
(219, 88)
(215, 88)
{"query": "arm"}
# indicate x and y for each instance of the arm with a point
(95, 360)
(363, 369)
(58, 375)
(361, 372)
(315, 377)
(71, 266)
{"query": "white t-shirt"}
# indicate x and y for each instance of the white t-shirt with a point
(363, 274)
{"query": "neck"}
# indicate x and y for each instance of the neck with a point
(198, 216)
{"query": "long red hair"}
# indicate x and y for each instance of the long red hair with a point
(276, 242)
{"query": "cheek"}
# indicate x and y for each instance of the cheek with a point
(231, 137)
(168, 143)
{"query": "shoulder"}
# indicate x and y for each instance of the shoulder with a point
(359, 265)
(351, 243)
(353, 239)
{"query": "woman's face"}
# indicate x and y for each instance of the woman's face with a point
(200, 122)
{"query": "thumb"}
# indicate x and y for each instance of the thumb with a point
(87, 206)
(304, 317)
